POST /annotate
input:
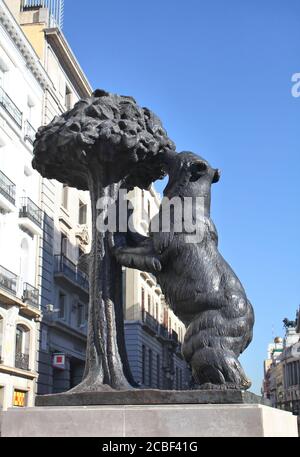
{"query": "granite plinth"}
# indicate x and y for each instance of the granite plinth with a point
(243, 420)
(149, 397)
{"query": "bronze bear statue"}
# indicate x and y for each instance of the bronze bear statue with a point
(199, 285)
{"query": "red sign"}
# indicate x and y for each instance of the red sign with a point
(59, 361)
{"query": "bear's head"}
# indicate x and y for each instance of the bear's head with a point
(190, 175)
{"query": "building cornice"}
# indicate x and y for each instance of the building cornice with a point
(65, 328)
(17, 372)
(68, 61)
(18, 37)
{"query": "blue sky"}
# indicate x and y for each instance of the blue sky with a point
(218, 73)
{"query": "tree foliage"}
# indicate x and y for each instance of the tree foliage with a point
(106, 134)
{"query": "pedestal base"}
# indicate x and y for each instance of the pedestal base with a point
(148, 397)
(251, 420)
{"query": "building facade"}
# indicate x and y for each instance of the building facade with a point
(66, 235)
(281, 384)
(22, 85)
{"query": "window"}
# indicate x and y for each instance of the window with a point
(143, 364)
(65, 196)
(82, 213)
(150, 367)
(158, 370)
(143, 203)
(3, 69)
(68, 98)
(80, 252)
(143, 299)
(62, 306)
(149, 304)
(64, 244)
(149, 210)
(25, 261)
(22, 347)
(80, 315)
(1, 336)
(30, 106)
(19, 340)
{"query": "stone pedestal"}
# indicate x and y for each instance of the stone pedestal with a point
(192, 420)
(148, 397)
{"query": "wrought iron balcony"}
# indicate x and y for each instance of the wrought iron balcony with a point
(31, 295)
(31, 211)
(7, 188)
(30, 132)
(174, 336)
(150, 322)
(169, 335)
(22, 361)
(70, 270)
(8, 280)
(163, 332)
(10, 107)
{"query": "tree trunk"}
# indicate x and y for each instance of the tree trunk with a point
(104, 368)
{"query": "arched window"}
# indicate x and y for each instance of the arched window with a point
(22, 347)
(1, 336)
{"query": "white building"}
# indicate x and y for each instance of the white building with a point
(22, 85)
(64, 289)
(282, 370)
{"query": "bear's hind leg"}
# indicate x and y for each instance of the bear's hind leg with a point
(218, 368)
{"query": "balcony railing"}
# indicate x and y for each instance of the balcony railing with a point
(10, 107)
(22, 361)
(7, 188)
(30, 132)
(150, 322)
(8, 280)
(174, 336)
(168, 335)
(31, 295)
(163, 331)
(69, 269)
(55, 7)
(31, 211)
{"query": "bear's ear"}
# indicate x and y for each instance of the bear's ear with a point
(217, 177)
(197, 170)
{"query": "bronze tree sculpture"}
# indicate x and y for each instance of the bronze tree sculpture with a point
(105, 142)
